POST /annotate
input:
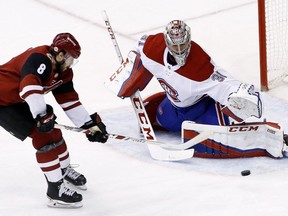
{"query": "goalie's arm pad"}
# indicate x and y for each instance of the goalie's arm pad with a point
(138, 78)
(243, 103)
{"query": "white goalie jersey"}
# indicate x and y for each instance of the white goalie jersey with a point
(188, 84)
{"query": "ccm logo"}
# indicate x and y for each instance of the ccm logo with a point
(143, 118)
(243, 128)
(107, 23)
(113, 76)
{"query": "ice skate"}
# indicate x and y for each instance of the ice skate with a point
(61, 196)
(285, 147)
(75, 178)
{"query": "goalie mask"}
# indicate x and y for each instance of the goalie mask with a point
(178, 40)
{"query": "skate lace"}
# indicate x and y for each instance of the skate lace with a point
(65, 190)
(71, 173)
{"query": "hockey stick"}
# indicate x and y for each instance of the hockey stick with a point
(168, 146)
(162, 151)
(136, 99)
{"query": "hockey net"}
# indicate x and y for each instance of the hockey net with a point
(273, 42)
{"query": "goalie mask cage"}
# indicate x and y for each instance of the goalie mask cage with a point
(273, 42)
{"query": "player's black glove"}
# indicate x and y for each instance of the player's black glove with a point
(97, 128)
(45, 123)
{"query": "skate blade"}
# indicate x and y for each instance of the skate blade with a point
(60, 204)
(80, 187)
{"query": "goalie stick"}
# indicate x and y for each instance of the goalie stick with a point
(136, 99)
(162, 151)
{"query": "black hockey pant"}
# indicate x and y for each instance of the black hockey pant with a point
(17, 120)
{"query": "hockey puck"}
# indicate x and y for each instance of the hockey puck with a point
(245, 172)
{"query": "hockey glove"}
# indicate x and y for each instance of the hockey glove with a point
(244, 103)
(97, 128)
(129, 77)
(45, 122)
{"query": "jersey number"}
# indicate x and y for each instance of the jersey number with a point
(41, 68)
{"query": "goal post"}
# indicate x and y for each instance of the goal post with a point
(273, 42)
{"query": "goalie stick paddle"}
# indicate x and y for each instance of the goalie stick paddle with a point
(162, 151)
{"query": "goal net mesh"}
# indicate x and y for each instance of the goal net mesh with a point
(276, 22)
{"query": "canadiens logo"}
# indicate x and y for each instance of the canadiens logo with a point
(169, 90)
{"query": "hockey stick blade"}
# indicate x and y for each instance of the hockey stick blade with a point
(160, 151)
(195, 140)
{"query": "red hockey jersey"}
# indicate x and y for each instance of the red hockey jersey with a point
(30, 75)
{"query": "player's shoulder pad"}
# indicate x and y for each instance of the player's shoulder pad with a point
(38, 64)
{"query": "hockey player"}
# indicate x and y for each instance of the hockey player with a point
(24, 80)
(195, 88)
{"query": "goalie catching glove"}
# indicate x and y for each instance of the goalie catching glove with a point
(97, 129)
(244, 103)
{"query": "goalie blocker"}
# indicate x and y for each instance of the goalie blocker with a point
(238, 140)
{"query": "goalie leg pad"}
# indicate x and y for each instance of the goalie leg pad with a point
(212, 149)
(234, 141)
